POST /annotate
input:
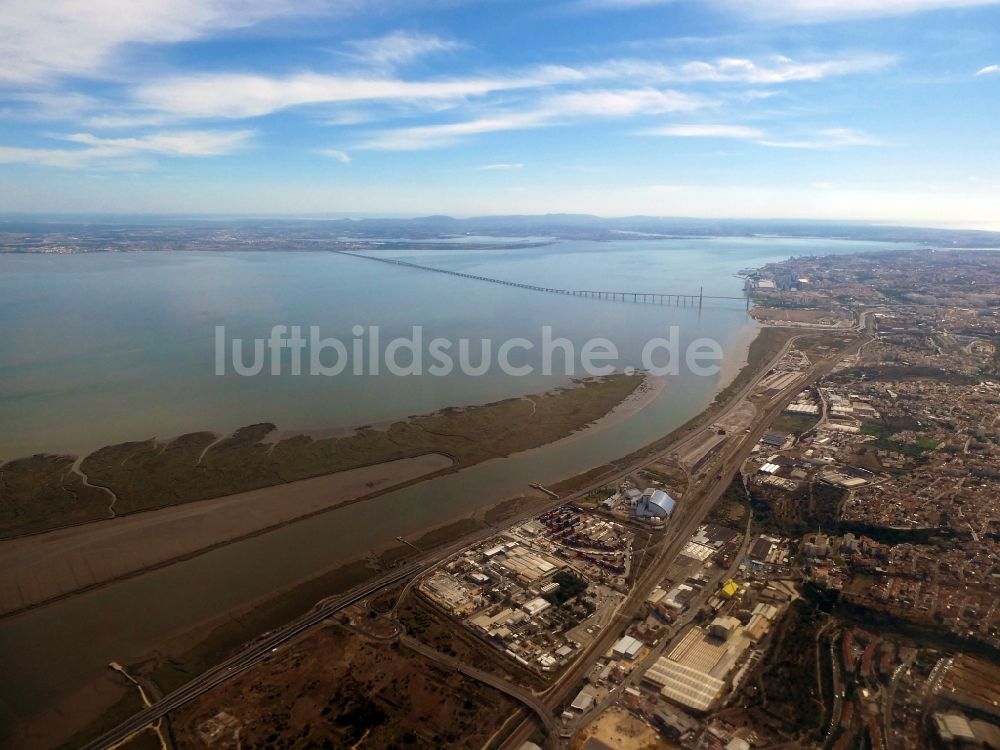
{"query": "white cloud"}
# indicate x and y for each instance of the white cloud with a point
(333, 153)
(801, 11)
(50, 105)
(816, 11)
(706, 131)
(399, 48)
(42, 40)
(556, 109)
(666, 188)
(622, 102)
(437, 136)
(125, 120)
(614, 4)
(491, 167)
(96, 149)
(179, 143)
(988, 70)
(773, 70)
(235, 95)
(830, 138)
(240, 95)
(46, 157)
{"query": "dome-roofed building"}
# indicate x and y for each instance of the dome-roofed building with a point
(654, 505)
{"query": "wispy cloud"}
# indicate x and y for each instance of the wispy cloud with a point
(234, 95)
(399, 48)
(243, 95)
(181, 143)
(48, 105)
(46, 157)
(773, 70)
(831, 138)
(437, 136)
(622, 102)
(585, 5)
(706, 131)
(42, 40)
(800, 11)
(556, 109)
(334, 153)
(988, 70)
(816, 11)
(491, 167)
(96, 149)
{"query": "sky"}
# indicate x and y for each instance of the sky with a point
(876, 110)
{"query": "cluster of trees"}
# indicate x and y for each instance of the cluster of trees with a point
(570, 586)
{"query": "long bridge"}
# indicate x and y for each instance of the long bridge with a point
(647, 298)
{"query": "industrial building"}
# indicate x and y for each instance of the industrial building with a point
(452, 594)
(776, 440)
(583, 701)
(654, 505)
(694, 673)
(627, 647)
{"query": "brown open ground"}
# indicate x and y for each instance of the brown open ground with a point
(38, 568)
(801, 315)
(335, 689)
(622, 730)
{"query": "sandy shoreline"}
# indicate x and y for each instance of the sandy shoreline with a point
(647, 392)
(731, 368)
(38, 568)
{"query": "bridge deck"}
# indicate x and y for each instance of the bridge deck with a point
(648, 298)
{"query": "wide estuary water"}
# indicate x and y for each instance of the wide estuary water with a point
(104, 348)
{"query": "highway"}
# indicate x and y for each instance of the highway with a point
(523, 696)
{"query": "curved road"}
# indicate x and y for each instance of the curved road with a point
(519, 694)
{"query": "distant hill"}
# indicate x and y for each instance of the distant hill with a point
(188, 229)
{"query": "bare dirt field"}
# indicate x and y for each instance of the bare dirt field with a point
(36, 568)
(621, 730)
(801, 315)
(335, 689)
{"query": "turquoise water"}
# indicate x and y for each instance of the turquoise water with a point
(102, 348)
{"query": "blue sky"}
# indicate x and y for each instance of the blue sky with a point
(883, 110)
